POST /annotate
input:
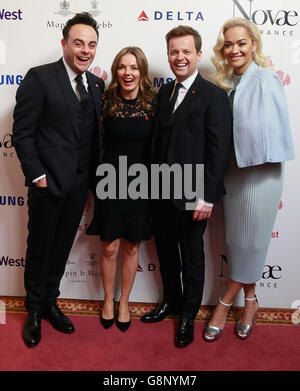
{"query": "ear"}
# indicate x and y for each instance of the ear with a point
(63, 43)
(199, 54)
(254, 45)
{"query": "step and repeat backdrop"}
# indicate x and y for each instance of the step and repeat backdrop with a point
(30, 35)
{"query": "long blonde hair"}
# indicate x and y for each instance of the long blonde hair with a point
(224, 71)
(146, 92)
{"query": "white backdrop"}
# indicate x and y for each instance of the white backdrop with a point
(30, 34)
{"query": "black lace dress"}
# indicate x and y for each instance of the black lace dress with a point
(126, 134)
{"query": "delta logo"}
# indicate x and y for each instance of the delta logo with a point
(143, 17)
(191, 16)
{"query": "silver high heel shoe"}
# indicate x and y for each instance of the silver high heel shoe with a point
(242, 330)
(213, 333)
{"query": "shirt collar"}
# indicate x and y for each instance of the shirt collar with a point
(189, 81)
(72, 75)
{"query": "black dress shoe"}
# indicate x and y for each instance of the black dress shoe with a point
(159, 313)
(32, 330)
(58, 320)
(107, 323)
(185, 332)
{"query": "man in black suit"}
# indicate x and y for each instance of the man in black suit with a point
(192, 126)
(56, 134)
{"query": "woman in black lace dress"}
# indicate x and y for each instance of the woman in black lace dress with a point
(127, 116)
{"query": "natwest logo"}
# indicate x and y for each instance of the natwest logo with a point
(10, 15)
(7, 261)
(192, 16)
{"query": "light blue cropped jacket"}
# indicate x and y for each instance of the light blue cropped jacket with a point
(261, 127)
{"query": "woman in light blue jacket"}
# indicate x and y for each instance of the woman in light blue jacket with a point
(262, 141)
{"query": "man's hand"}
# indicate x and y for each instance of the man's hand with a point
(42, 182)
(202, 212)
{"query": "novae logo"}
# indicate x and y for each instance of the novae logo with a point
(6, 141)
(262, 16)
(272, 271)
(6, 145)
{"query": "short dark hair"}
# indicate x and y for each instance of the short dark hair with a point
(81, 18)
(181, 31)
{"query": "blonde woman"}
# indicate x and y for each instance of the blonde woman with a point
(128, 109)
(261, 143)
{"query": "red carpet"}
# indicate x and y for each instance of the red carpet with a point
(146, 347)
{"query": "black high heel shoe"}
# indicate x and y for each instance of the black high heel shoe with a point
(123, 326)
(107, 323)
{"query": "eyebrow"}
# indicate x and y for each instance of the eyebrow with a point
(80, 40)
(242, 39)
(132, 64)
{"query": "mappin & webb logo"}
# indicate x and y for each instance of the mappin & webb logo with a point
(65, 8)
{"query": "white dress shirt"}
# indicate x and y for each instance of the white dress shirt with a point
(186, 84)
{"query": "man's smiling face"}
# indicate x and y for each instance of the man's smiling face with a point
(80, 47)
(183, 56)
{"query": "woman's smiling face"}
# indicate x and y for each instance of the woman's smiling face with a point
(238, 48)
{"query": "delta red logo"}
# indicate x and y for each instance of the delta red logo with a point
(143, 17)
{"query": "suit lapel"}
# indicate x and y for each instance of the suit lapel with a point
(69, 95)
(95, 88)
(187, 103)
(164, 114)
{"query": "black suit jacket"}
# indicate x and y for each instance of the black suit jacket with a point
(201, 134)
(46, 129)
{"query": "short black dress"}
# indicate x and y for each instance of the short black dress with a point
(127, 133)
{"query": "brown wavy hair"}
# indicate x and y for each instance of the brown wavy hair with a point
(146, 92)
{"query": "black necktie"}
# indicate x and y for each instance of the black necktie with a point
(84, 96)
(231, 98)
(174, 98)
